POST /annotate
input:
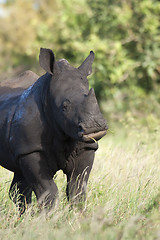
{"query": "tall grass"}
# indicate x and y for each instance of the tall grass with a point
(123, 197)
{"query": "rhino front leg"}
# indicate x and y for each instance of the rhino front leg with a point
(37, 173)
(77, 178)
(20, 192)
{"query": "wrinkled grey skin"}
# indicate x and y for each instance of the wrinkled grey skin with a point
(48, 127)
(12, 87)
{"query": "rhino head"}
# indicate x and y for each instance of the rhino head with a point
(73, 105)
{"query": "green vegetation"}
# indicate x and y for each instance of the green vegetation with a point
(123, 199)
(124, 35)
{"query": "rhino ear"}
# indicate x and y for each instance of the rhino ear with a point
(47, 60)
(86, 66)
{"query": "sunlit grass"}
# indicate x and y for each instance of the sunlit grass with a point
(123, 197)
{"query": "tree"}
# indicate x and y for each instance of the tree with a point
(129, 32)
(124, 35)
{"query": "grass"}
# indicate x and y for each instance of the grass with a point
(123, 197)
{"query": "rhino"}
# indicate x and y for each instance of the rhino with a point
(52, 125)
(14, 85)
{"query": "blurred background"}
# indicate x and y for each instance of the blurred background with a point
(124, 34)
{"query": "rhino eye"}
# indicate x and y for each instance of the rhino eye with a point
(66, 105)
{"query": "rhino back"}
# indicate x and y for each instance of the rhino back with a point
(23, 80)
(15, 86)
(29, 126)
(22, 123)
(7, 109)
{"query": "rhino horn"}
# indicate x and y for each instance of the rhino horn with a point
(91, 97)
(86, 66)
(47, 61)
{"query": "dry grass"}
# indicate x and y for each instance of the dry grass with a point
(123, 196)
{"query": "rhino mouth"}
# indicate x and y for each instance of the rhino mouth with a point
(93, 137)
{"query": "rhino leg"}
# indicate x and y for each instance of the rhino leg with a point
(20, 192)
(37, 173)
(77, 178)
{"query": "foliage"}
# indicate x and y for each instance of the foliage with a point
(124, 35)
(131, 31)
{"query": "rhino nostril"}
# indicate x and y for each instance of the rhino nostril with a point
(80, 130)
